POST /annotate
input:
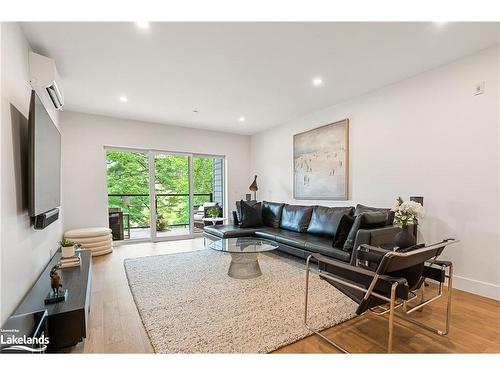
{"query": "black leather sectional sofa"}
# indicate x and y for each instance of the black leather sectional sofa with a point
(302, 230)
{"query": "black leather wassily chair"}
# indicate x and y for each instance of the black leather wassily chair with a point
(390, 285)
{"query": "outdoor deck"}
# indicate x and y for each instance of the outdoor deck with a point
(144, 233)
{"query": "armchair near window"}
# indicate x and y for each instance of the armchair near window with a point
(202, 212)
(389, 286)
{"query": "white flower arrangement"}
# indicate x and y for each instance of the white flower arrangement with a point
(407, 212)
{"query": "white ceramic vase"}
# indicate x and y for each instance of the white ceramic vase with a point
(68, 251)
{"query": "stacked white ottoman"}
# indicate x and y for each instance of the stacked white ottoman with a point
(98, 240)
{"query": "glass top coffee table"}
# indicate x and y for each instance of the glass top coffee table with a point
(244, 254)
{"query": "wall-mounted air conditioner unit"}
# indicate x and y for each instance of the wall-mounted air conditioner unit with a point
(43, 75)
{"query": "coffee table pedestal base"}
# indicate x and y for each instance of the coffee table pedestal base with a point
(244, 266)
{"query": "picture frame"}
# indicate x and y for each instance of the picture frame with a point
(321, 162)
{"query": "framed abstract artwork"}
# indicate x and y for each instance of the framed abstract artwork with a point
(321, 162)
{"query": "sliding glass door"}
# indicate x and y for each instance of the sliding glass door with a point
(128, 194)
(159, 195)
(207, 188)
(171, 192)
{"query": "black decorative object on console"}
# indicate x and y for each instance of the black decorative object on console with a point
(55, 297)
(405, 238)
(57, 294)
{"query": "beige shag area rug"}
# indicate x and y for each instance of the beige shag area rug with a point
(189, 304)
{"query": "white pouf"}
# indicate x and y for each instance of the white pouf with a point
(103, 252)
(87, 232)
(89, 240)
(99, 250)
(98, 240)
(97, 243)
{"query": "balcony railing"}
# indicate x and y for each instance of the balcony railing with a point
(127, 205)
(163, 195)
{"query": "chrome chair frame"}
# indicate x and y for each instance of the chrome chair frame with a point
(393, 302)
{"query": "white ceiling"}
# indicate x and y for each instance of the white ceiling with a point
(262, 71)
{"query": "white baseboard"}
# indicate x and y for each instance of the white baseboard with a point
(477, 287)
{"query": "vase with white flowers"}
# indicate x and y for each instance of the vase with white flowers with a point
(406, 213)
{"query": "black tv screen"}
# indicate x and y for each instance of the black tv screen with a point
(44, 160)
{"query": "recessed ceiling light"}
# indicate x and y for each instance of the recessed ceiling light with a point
(241, 119)
(318, 81)
(195, 110)
(123, 99)
(142, 24)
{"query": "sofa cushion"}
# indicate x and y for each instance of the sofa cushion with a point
(250, 215)
(302, 244)
(295, 218)
(293, 251)
(267, 232)
(323, 246)
(229, 231)
(343, 230)
(87, 232)
(271, 213)
(325, 220)
(361, 209)
(287, 237)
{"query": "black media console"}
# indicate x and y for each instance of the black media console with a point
(66, 321)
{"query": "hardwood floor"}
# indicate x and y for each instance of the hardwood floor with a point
(115, 326)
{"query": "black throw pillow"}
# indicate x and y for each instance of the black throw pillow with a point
(373, 220)
(362, 209)
(250, 216)
(365, 220)
(238, 208)
(351, 237)
(343, 230)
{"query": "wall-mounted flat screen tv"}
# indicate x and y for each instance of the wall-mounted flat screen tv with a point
(44, 160)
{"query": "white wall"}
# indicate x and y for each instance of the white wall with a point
(1, 178)
(24, 251)
(427, 136)
(84, 171)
